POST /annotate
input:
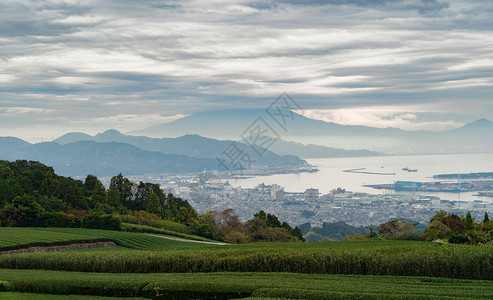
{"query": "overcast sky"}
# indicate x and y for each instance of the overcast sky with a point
(68, 65)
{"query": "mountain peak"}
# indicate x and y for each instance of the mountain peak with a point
(481, 123)
(73, 137)
(110, 133)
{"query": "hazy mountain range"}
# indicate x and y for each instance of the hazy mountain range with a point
(101, 159)
(233, 124)
(198, 146)
(109, 153)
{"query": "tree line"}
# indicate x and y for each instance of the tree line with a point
(443, 226)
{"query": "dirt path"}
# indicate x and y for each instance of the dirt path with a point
(184, 240)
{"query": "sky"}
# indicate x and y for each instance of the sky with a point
(69, 65)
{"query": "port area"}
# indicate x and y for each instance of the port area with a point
(484, 187)
(362, 171)
(480, 175)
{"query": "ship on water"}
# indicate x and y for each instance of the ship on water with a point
(409, 170)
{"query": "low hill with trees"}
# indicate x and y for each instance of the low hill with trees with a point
(32, 195)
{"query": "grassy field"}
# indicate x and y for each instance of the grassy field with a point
(148, 266)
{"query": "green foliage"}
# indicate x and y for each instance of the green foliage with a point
(143, 217)
(28, 189)
(96, 221)
(205, 230)
(154, 205)
(58, 219)
(364, 258)
(396, 227)
(459, 231)
(469, 221)
(486, 217)
(437, 230)
(439, 216)
(335, 231)
(455, 238)
(23, 212)
(120, 191)
(372, 234)
(240, 285)
(95, 192)
(267, 228)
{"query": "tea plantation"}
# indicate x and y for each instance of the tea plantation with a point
(155, 267)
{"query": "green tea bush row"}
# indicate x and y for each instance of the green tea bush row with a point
(48, 244)
(130, 239)
(452, 261)
(12, 238)
(239, 285)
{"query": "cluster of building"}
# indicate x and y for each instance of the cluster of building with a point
(208, 192)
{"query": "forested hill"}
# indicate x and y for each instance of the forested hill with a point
(32, 195)
(29, 189)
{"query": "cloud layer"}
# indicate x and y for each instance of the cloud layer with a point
(91, 65)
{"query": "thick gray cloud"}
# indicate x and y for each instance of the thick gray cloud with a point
(92, 65)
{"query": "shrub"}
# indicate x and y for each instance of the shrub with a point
(458, 239)
(205, 230)
(95, 221)
(146, 218)
(437, 230)
(58, 219)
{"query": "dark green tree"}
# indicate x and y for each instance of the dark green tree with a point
(486, 217)
(120, 192)
(23, 212)
(469, 221)
(95, 192)
(372, 234)
(154, 205)
(49, 185)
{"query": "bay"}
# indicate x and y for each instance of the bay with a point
(331, 176)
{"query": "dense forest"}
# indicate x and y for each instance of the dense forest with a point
(32, 195)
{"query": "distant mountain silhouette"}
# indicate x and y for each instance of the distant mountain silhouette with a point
(190, 145)
(316, 151)
(476, 126)
(110, 152)
(102, 159)
(231, 124)
(198, 146)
